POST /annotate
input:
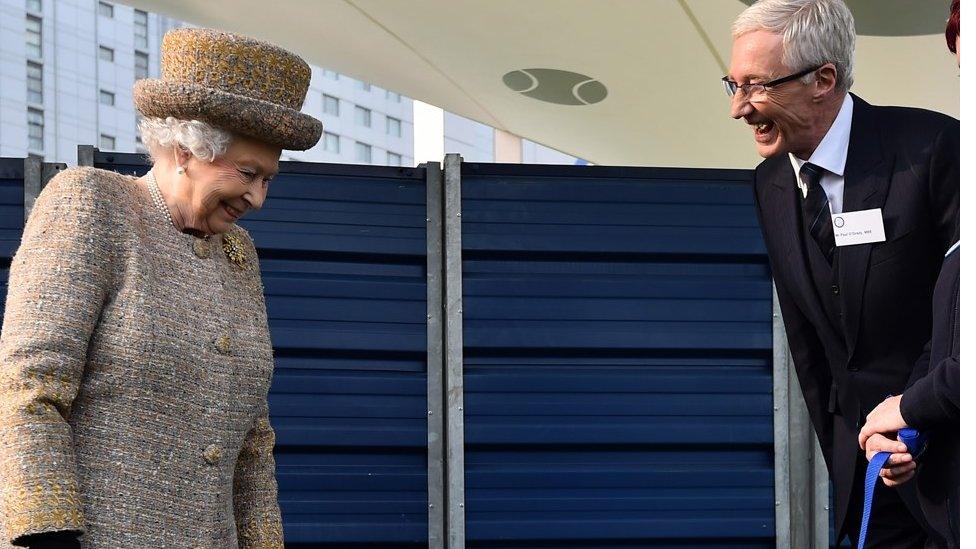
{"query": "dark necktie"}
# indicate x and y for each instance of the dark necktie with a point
(816, 211)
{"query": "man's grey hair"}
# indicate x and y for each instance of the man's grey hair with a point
(815, 32)
(199, 138)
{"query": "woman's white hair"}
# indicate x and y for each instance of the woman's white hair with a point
(815, 32)
(199, 138)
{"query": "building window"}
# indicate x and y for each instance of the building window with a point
(393, 159)
(141, 31)
(34, 6)
(107, 54)
(106, 142)
(106, 10)
(331, 143)
(34, 37)
(364, 117)
(35, 129)
(142, 65)
(393, 127)
(330, 105)
(364, 153)
(35, 83)
(392, 96)
(331, 75)
(106, 98)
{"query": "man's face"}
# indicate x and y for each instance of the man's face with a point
(782, 119)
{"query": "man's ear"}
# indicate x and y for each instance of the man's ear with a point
(825, 79)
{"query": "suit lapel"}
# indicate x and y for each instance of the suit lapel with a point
(789, 234)
(866, 179)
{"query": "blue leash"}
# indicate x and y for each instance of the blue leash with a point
(915, 441)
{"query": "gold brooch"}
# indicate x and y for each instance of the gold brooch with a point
(234, 249)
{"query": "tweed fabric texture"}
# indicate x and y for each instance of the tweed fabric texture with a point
(233, 82)
(134, 376)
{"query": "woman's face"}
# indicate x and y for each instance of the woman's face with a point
(223, 191)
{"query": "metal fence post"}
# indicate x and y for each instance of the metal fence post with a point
(454, 356)
(801, 473)
(86, 155)
(435, 357)
(49, 170)
(32, 183)
(36, 176)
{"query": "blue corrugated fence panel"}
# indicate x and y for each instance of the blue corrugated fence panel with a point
(11, 205)
(343, 265)
(343, 257)
(618, 384)
(11, 218)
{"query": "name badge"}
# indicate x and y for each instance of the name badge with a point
(863, 227)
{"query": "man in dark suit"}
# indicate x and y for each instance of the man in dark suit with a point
(857, 309)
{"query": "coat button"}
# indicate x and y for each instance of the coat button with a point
(201, 248)
(222, 344)
(836, 289)
(211, 454)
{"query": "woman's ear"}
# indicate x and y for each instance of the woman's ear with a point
(181, 156)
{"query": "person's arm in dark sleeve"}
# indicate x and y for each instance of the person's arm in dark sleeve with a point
(933, 400)
(943, 185)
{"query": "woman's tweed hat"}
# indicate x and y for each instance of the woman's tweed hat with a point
(233, 82)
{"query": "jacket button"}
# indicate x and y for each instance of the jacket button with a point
(836, 289)
(211, 454)
(201, 248)
(222, 344)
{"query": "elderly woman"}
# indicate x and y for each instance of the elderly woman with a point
(135, 358)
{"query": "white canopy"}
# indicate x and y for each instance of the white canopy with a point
(659, 62)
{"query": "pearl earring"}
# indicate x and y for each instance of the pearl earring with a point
(180, 170)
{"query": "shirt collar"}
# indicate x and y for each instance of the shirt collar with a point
(831, 153)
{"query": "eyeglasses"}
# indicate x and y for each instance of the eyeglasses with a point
(731, 86)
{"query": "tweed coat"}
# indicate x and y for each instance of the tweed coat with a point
(135, 363)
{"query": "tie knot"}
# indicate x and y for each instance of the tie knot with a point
(811, 173)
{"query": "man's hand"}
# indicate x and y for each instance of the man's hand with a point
(885, 418)
(900, 467)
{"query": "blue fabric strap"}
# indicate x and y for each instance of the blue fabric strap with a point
(915, 441)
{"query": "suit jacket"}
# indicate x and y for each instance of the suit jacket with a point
(135, 363)
(906, 162)
(931, 405)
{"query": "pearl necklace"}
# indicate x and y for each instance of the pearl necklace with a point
(157, 197)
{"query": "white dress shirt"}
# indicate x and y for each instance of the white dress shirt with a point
(831, 155)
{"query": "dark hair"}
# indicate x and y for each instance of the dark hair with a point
(952, 26)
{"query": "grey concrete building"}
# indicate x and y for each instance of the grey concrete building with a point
(67, 69)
